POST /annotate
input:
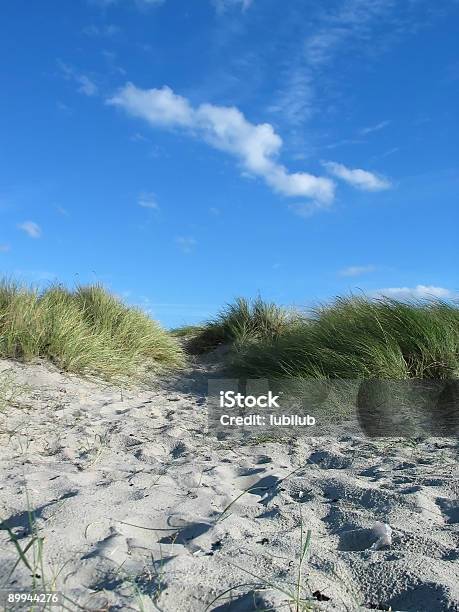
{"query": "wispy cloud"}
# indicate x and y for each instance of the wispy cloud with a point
(186, 243)
(333, 28)
(357, 270)
(256, 146)
(364, 28)
(296, 100)
(138, 3)
(4, 248)
(344, 142)
(390, 152)
(375, 128)
(85, 85)
(31, 228)
(106, 31)
(418, 292)
(221, 6)
(358, 178)
(351, 22)
(148, 200)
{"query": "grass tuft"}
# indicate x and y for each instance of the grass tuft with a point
(87, 331)
(243, 321)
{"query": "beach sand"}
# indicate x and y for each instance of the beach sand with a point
(128, 488)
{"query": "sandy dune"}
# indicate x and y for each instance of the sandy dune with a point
(128, 490)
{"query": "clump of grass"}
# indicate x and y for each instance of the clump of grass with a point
(87, 331)
(244, 321)
(359, 338)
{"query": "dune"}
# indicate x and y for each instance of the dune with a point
(128, 502)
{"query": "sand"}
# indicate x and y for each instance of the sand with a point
(128, 488)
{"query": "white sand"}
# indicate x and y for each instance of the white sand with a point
(128, 488)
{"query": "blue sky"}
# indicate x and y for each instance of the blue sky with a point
(184, 153)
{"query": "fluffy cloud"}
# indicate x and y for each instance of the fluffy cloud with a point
(31, 228)
(361, 179)
(256, 146)
(356, 270)
(418, 292)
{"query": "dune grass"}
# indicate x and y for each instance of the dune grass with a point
(352, 338)
(87, 330)
(243, 321)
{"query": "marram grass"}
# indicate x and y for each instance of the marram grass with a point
(88, 331)
(242, 321)
(352, 338)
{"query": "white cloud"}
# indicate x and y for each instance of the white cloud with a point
(361, 179)
(85, 85)
(31, 228)
(418, 292)
(356, 270)
(186, 244)
(157, 106)
(148, 200)
(4, 248)
(375, 128)
(256, 146)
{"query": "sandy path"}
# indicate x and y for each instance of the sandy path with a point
(128, 488)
